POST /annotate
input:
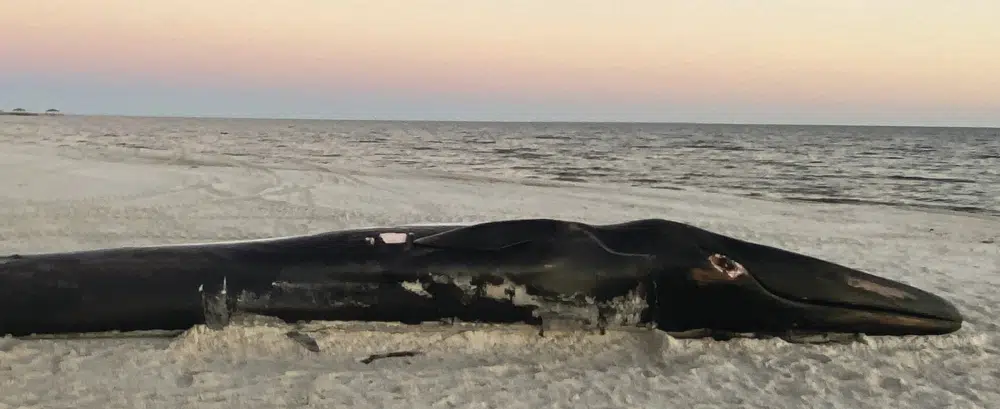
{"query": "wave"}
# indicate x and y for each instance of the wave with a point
(928, 206)
(930, 179)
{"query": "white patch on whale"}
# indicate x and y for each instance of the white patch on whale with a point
(416, 288)
(625, 310)
(393, 238)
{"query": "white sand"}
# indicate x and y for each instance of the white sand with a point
(54, 199)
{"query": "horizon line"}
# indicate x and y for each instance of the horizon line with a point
(507, 121)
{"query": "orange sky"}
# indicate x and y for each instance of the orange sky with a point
(893, 54)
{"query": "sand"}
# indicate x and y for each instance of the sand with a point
(67, 198)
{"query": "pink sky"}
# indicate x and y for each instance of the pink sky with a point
(891, 55)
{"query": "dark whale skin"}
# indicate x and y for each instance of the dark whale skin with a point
(643, 273)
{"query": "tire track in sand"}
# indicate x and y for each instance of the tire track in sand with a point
(27, 219)
(243, 200)
(285, 206)
(160, 213)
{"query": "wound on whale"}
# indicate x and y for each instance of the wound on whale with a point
(651, 273)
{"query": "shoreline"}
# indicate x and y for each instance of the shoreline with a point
(147, 153)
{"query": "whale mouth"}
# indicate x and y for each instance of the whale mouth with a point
(813, 294)
(932, 315)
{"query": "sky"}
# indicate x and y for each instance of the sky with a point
(887, 62)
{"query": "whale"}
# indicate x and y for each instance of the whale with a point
(650, 274)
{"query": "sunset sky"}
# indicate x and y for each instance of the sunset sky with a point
(921, 62)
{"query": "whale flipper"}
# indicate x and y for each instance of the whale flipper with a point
(548, 255)
(542, 240)
(493, 236)
(503, 235)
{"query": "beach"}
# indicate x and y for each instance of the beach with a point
(73, 195)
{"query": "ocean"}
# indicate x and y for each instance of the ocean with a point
(955, 169)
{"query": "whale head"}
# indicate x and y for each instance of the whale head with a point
(734, 285)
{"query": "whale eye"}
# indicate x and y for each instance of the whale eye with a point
(727, 266)
(723, 270)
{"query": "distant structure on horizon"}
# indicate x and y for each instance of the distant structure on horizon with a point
(24, 112)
